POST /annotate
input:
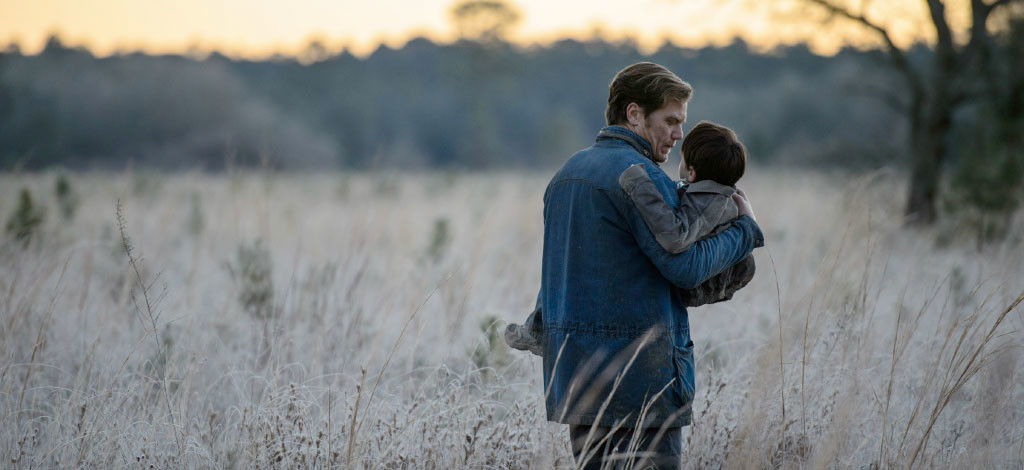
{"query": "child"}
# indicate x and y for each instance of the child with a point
(713, 161)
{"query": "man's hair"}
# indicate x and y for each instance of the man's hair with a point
(648, 85)
(715, 153)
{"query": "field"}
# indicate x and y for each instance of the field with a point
(353, 321)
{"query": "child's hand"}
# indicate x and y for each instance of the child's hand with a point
(743, 203)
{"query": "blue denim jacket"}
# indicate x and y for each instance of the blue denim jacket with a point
(607, 293)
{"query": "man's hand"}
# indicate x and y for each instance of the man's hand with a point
(743, 203)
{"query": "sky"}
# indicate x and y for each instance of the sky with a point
(259, 28)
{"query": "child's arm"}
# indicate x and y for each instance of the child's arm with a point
(675, 229)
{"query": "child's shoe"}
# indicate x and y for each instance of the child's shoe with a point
(520, 337)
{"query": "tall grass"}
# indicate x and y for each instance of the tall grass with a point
(888, 347)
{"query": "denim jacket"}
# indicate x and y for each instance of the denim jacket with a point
(616, 334)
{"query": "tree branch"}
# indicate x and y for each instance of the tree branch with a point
(937, 9)
(980, 11)
(898, 57)
(977, 52)
(999, 3)
(979, 17)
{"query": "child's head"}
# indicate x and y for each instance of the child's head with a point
(712, 152)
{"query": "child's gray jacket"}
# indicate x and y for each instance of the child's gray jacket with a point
(705, 209)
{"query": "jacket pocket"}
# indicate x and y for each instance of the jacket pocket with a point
(682, 359)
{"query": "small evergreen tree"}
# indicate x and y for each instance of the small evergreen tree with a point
(253, 274)
(67, 199)
(26, 220)
(439, 239)
(491, 352)
(196, 221)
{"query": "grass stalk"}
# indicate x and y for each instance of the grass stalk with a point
(782, 368)
(134, 262)
(972, 366)
(398, 340)
(355, 416)
(39, 336)
(615, 386)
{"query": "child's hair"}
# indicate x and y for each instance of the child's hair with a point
(715, 153)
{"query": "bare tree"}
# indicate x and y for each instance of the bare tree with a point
(953, 77)
(484, 20)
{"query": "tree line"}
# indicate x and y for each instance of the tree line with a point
(469, 104)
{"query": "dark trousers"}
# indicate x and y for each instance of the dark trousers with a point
(664, 454)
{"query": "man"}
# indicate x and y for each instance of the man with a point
(618, 360)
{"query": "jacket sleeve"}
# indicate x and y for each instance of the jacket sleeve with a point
(704, 258)
(675, 229)
(721, 286)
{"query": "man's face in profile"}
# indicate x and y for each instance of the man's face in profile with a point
(662, 128)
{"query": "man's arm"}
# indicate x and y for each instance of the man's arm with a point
(721, 286)
(706, 257)
(702, 259)
(675, 229)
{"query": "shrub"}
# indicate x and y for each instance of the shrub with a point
(253, 274)
(492, 352)
(986, 187)
(67, 198)
(196, 221)
(439, 239)
(25, 222)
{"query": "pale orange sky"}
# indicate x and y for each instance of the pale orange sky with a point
(258, 28)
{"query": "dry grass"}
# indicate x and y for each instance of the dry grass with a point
(362, 347)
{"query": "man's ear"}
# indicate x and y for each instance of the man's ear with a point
(691, 174)
(635, 114)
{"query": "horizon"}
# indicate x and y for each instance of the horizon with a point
(242, 31)
(299, 53)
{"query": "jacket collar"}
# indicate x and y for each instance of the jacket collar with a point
(634, 140)
(709, 186)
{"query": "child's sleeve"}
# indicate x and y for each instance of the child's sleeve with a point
(674, 228)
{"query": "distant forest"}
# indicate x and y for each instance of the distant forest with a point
(466, 105)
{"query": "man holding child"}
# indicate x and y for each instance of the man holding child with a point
(611, 320)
